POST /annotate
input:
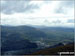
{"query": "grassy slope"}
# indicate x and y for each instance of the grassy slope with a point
(52, 51)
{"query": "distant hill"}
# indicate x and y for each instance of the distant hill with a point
(24, 31)
(65, 29)
(48, 28)
(58, 34)
(19, 37)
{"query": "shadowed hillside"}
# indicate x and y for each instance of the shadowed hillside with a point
(55, 50)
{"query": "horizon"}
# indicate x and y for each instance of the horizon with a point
(37, 26)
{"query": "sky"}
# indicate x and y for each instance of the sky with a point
(41, 12)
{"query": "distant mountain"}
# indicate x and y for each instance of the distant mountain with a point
(24, 31)
(58, 34)
(53, 28)
(58, 29)
(19, 37)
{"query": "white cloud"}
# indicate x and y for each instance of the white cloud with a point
(44, 15)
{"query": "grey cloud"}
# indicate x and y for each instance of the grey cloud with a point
(53, 22)
(10, 7)
(56, 22)
(59, 10)
(46, 21)
(69, 3)
(63, 5)
(70, 21)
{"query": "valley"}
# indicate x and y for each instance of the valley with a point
(27, 40)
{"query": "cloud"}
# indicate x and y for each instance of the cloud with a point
(10, 7)
(70, 21)
(49, 13)
(64, 7)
